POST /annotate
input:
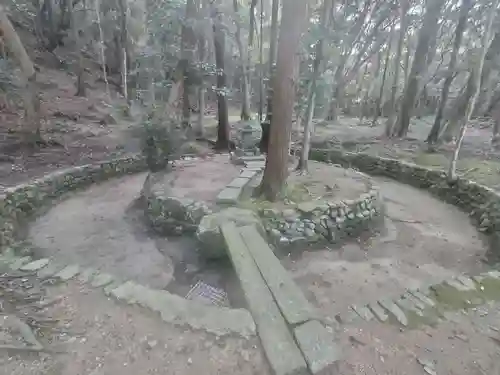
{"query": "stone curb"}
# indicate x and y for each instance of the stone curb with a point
(172, 309)
(429, 305)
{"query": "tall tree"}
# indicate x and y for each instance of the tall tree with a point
(245, 79)
(77, 40)
(403, 27)
(266, 125)
(188, 48)
(317, 70)
(220, 52)
(474, 86)
(450, 74)
(426, 35)
(30, 130)
(380, 99)
(276, 171)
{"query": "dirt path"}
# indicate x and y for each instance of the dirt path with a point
(100, 228)
(427, 241)
(107, 338)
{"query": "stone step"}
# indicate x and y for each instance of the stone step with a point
(293, 304)
(281, 350)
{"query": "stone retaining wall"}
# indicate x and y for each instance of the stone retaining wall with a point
(169, 214)
(480, 202)
(22, 201)
(321, 220)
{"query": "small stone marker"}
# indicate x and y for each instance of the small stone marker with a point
(363, 312)
(281, 350)
(347, 317)
(35, 265)
(394, 310)
(68, 272)
(229, 195)
(378, 311)
(318, 347)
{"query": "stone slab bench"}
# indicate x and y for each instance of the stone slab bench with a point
(281, 350)
(293, 304)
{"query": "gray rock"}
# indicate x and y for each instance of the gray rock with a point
(209, 235)
(406, 304)
(394, 310)
(378, 311)
(317, 346)
(35, 265)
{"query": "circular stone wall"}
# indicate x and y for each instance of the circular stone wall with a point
(327, 204)
(176, 200)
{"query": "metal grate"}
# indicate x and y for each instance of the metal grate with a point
(208, 294)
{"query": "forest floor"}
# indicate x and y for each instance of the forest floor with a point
(426, 241)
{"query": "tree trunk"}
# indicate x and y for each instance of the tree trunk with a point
(449, 130)
(317, 71)
(475, 83)
(397, 67)
(276, 171)
(450, 74)
(222, 109)
(31, 127)
(272, 57)
(202, 47)
(425, 36)
(102, 46)
(378, 109)
(188, 47)
(245, 82)
(123, 49)
(80, 81)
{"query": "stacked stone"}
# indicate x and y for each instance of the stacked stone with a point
(315, 221)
